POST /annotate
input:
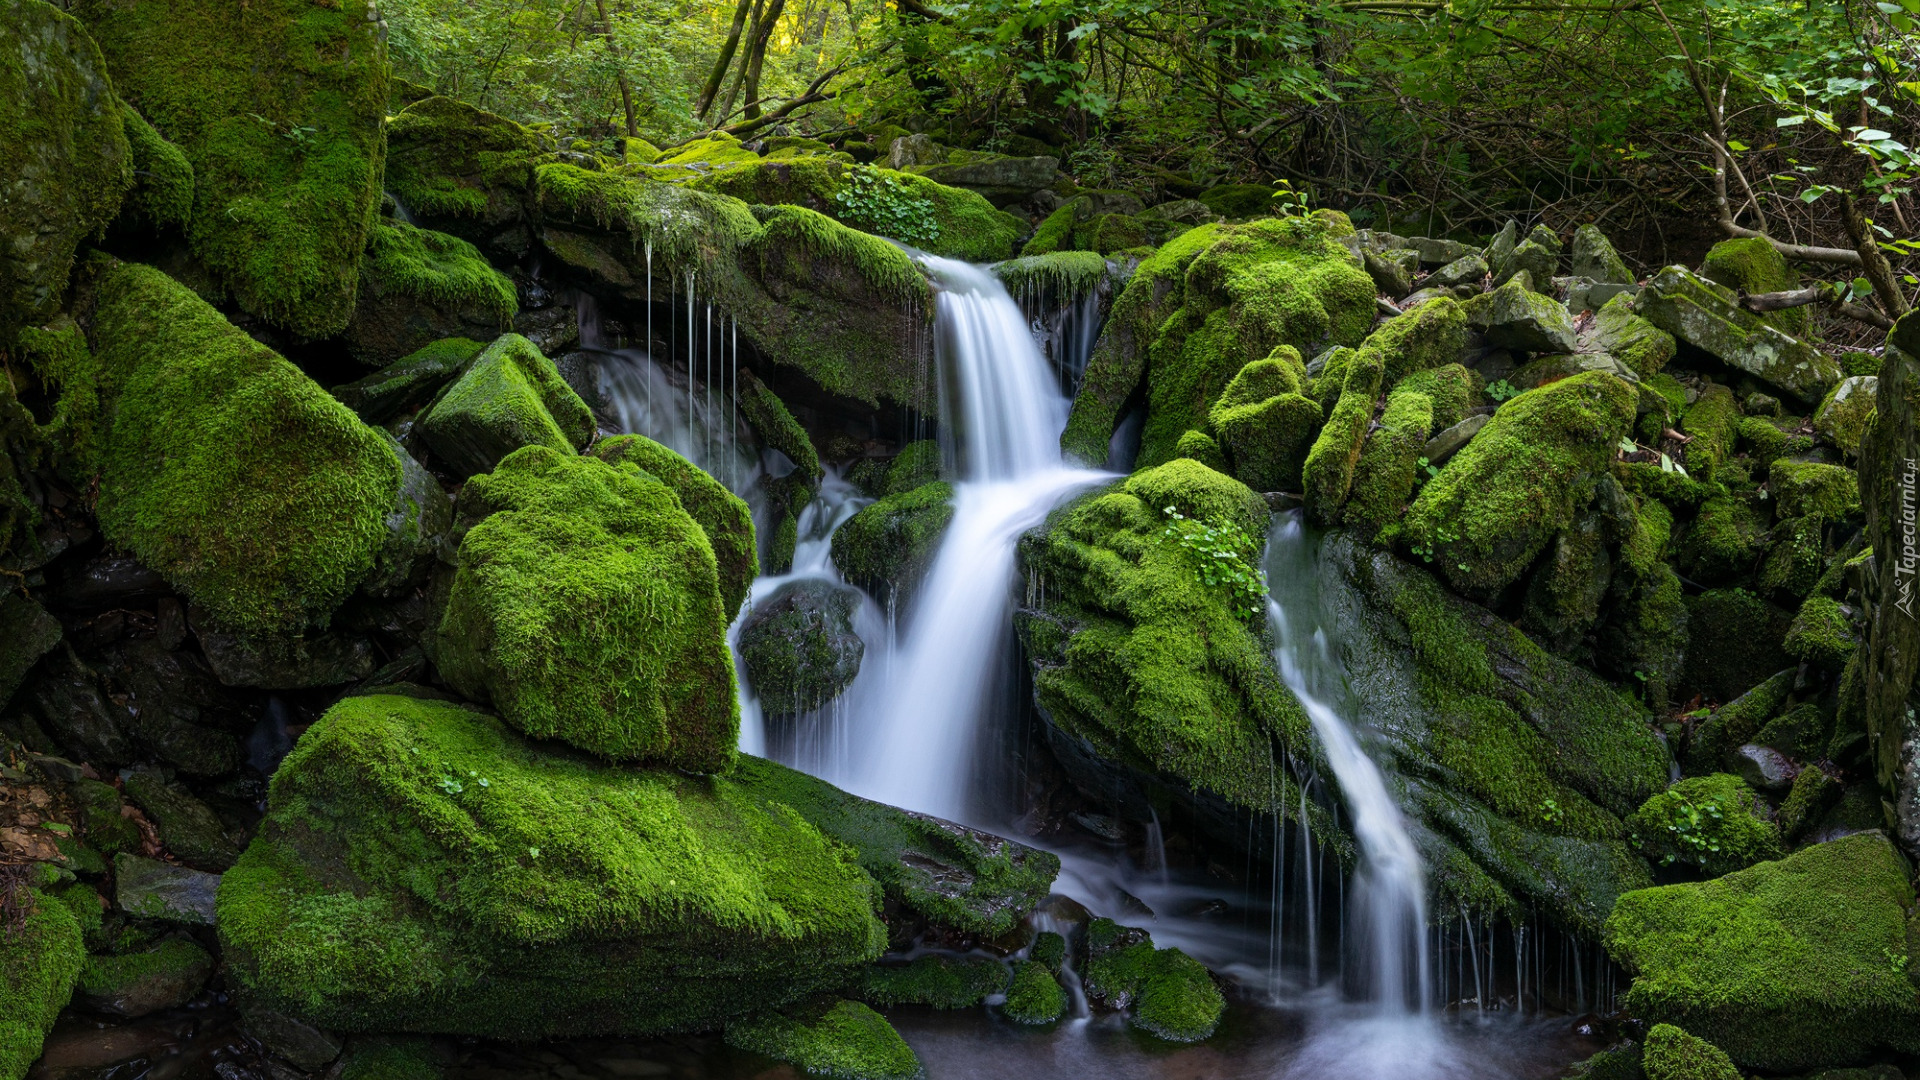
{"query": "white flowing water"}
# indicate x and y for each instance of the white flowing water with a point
(1002, 413)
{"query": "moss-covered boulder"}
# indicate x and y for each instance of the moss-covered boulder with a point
(165, 976)
(843, 1040)
(1672, 1054)
(1035, 996)
(1751, 264)
(1843, 414)
(422, 868)
(1150, 648)
(723, 516)
(279, 107)
(1722, 543)
(934, 979)
(223, 467)
(418, 286)
(1383, 476)
(1327, 475)
(162, 193)
(41, 954)
(409, 382)
(799, 647)
(845, 307)
(1821, 634)
(1714, 824)
(1811, 487)
(586, 607)
(1264, 422)
(1166, 992)
(1706, 316)
(1520, 764)
(1495, 505)
(1734, 642)
(1635, 343)
(508, 397)
(1516, 318)
(917, 210)
(888, 546)
(1787, 965)
(63, 150)
(1595, 259)
(461, 170)
(1205, 305)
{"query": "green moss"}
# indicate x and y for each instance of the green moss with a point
(409, 382)
(1736, 723)
(1801, 488)
(1845, 412)
(424, 869)
(1856, 362)
(957, 878)
(1201, 447)
(586, 607)
(887, 546)
(177, 960)
(721, 514)
(1671, 487)
(1821, 634)
(64, 151)
(1646, 633)
(1762, 439)
(846, 1041)
(72, 437)
(1142, 649)
(1035, 997)
(769, 418)
(1171, 995)
(1672, 1054)
(1453, 389)
(1328, 473)
(465, 170)
(1384, 475)
(278, 105)
(162, 192)
(1622, 1062)
(1813, 792)
(1055, 231)
(389, 1059)
(1430, 336)
(510, 396)
(1786, 965)
(1712, 422)
(1751, 264)
(417, 286)
(1735, 642)
(916, 464)
(1723, 542)
(1637, 344)
(224, 467)
(1264, 423)
(944, 982)
(40, 960)
(1646, 545)
(1061, 274)
(1496, 503)
(1797, 559)
(1711, 823)
(1048, 949)
(1239, 200)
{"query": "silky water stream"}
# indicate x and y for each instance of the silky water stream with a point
(1336, 975)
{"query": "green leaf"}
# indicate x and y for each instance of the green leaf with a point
(1736, 145)
(1790, 121)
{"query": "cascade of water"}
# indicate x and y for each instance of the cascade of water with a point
(1389, 895)
(1002, 414)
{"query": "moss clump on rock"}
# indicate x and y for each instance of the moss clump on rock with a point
(63, 150)
(418, 286)
(1821, 634)
(586, 607)
(461, 169)
(1170, 994)
(422, 868)
(1711, 823)
(799, 648)
(1142, 647)
(1810, 487)
(886, 547)
(279, 106)
(1787, 965)
(508, 397)
(722, 515)
(943, 982)
(162, 194)
(1453, 389)
(1496, 503)
(135, 984)
(1723, 542)
(1735, 642)
(1751, 264)
(40, 960)
(224, 467)
(1383, 476)
(845, 1041)
(1672, 1054)
(1035, 997)
(1712, 422)
(1327, 475)
(1265, 424)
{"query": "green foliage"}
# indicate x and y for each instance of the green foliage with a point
(1035, 997)
(1223, 556)
(586, 607)
(1710, 823)
(877, 202)
(847, 1041)
(224, 467)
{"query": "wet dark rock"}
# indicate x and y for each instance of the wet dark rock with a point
(301, 1043)
(108, 581)
(421, 515)
(134, 984)
(151, 889)
(1764, 768)
(27, 633)
(174, 707)
(75, 712)
(799, 646)
(553, 330)
(285, 662)
(407, 383)
(188, 828)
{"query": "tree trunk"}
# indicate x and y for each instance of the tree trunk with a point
(620, 68)
(723, 62)
(1873, 262)
(757, 55)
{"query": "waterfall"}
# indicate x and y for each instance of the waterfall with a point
(1388, 911)
(1002, 411)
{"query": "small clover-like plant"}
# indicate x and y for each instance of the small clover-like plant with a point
(1225, 556)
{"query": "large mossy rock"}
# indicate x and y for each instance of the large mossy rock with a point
(1707, 316)
(586, 607)
(464, 171)
(40, 960)
(1142, 651)
(1264, 422)
(846, 308)
(1787, 965)
(724, 516)
(1751, 264)
(888, 546)
(1205, 305)
(223, 467)
(508, 397)
(799, 647)
(279, 105)
(1519, 764)
(423, 868)
(945, 220)
(64, 155)
(417, 287)
(1498, 502)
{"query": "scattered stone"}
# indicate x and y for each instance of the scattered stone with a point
(1466, 270)
(284, 661)
(135, 984)
(1595, 259)
(1439, 252)
(1764, 768)
(799, 646)
(302, 1044)
(1521, 320)
(1843, 414)
(27, 633)
(409, 382)
(187, 827)
(1705, 315)
(151, 889)
(509, 397)
(1448, 442)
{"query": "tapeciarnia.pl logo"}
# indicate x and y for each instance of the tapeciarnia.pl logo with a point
(1903, 568)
